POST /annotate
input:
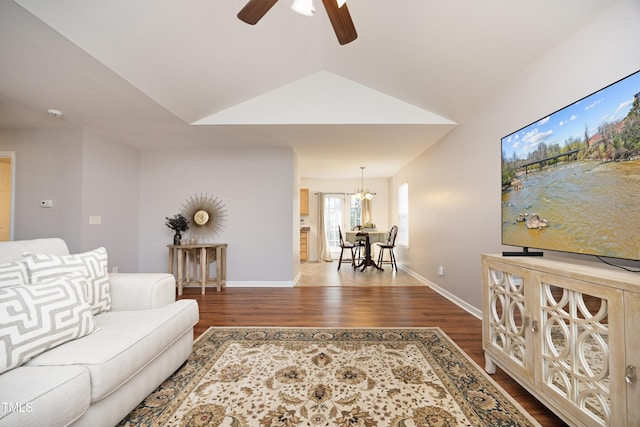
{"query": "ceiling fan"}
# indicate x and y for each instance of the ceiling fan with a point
(339, 16)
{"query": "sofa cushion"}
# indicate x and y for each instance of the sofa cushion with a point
(44, 395)
(126, 342)
(14, 249)
(41, 316)
(13, 273)
(93, 265)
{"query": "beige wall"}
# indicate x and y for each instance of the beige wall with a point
(455, 185)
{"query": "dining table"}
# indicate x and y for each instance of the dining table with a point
(369, 237)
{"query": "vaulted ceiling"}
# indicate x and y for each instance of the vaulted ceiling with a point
(167, 73)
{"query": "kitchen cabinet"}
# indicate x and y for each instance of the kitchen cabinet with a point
(304, 201)
(304, 249)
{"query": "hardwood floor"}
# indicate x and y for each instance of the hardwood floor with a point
(380, 299)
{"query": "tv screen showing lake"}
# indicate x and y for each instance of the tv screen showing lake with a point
(571, 181)
(584, 207)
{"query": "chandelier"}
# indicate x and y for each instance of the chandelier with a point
(361, 193)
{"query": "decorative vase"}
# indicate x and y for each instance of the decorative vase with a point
(177, 237)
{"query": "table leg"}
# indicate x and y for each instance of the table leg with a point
(180, 271)
(171, 260)
(218, 268)
(203, 268)
(368, 260)
(224, 266)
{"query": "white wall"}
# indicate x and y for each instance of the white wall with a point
(455, 185)
(380, 204)
(110, 179)
(295, 219)
(87, 174)
(256, 187)
(48, 166)
(84, 174)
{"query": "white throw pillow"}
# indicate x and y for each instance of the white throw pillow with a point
(13, 273)
(93, 265)
(38, 317)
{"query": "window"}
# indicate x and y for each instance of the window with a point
(403, 214)
(343, 211)
(355, 212)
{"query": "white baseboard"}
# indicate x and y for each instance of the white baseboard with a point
(260, 284)
(297, 278)
(266, 284)
(448, 295)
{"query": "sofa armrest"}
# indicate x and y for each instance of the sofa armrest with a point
(141, 291)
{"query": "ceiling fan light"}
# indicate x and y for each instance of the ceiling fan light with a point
(341, 2)
(303, 7)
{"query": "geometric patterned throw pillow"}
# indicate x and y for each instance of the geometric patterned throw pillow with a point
(92, 265)
(38, 317)
(13, 273)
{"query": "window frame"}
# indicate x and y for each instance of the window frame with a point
(403, 215)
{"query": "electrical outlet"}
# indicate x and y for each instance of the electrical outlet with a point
(441, 270)
(46, 203)
(95, 220)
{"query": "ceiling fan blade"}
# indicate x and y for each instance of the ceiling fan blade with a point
(341, 20)
(254, 10)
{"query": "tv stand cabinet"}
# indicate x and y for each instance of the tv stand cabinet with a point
(569, 332)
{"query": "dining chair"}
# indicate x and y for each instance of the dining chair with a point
(346, 245)
(358, 245)
(389, 244)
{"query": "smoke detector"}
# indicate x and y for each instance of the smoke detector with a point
(56, 114)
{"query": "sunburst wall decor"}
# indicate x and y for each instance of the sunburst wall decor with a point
(206, 215)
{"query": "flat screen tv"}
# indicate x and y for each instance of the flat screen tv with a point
(571, 180)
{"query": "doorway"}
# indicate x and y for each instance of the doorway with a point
(7, 166)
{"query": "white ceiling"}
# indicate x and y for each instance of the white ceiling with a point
(146, 71)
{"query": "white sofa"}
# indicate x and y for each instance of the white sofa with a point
(97, 379)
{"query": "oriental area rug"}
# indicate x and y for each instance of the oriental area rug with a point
(328, 377)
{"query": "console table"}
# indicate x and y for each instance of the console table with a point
(569, 332)
(203, 254)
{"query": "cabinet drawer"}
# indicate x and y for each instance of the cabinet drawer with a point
(304, 252)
